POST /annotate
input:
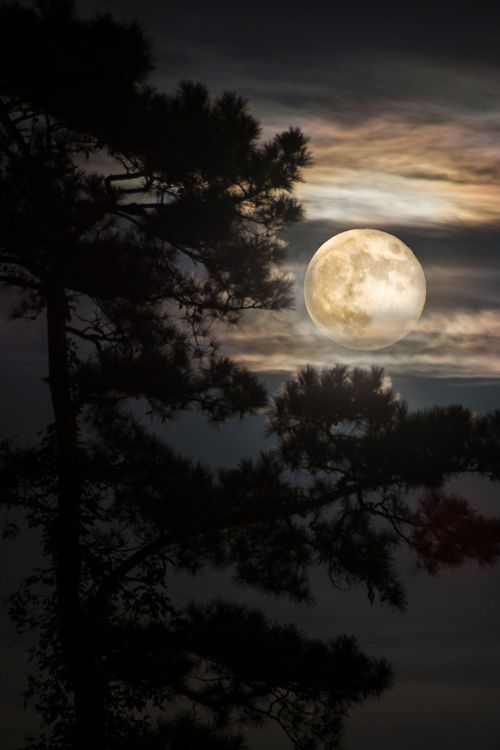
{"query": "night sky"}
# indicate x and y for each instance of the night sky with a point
(402, 107)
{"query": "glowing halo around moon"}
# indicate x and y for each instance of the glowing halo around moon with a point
(364, 289)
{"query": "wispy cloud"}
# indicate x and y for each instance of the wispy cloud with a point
(462, 344)
(393, 170)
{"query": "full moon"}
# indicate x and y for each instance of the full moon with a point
(364, 289)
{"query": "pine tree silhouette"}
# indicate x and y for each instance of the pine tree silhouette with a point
(133, 221)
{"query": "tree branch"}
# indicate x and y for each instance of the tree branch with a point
(12, 131)
(239, 519)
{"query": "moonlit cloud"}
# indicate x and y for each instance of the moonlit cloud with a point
(390, 170)
(464, 344)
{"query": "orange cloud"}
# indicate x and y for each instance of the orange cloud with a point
(389, 170)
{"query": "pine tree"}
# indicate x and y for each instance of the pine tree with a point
(135, 222)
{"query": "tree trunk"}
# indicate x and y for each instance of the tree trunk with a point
(75, 633)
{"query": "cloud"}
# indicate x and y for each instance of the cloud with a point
(396, 137)
(240, 39)
(462, 249)
(458, 335)
(388, 169)
(463, 344)
(468, 288)
(403, 108)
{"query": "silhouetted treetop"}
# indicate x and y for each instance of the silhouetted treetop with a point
(124, 218)
(156, 214)
(351, 423)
